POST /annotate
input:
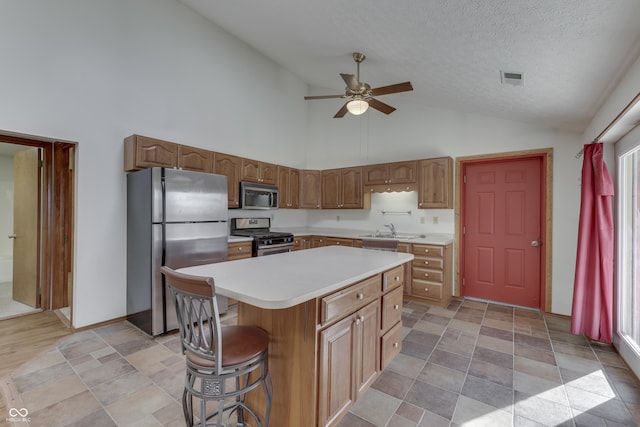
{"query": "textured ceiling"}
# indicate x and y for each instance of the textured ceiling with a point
(572, 52)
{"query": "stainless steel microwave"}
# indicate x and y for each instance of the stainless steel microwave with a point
(258, 196)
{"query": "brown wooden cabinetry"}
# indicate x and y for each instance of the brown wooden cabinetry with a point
(336, 241)
(435, 183)
(317, 241)
(310, 186)
(431, 273)
(239, 250)
(342, 188)
(257, 171)
(195, 159)
(142, 152)
(391, 173)
(301, 242)
(288, 187)
(406, 248)
(225, 164)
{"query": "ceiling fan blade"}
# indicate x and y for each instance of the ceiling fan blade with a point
(341, 112)
(380, 106)
(351, 81)
(323, 96)
(385, 90)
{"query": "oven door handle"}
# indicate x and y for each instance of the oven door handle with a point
(279, 245)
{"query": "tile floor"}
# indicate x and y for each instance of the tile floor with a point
(471, 364)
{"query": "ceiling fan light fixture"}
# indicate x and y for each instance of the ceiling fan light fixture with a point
(357, 106)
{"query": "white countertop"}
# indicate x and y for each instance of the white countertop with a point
(288, 279)
(421, 238)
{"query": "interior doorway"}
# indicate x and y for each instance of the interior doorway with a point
(503, 230)
(36, 218)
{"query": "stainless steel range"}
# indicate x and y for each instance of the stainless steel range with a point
(265, 241)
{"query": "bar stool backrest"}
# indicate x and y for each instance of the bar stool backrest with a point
(198, 316)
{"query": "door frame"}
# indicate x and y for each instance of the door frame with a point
(546, 215)
(57, 220)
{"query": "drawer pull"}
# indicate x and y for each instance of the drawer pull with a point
(360, 295)
(240, 249)
(396, 306)
(426, 274)
(426, 289)
(426, 250)
(357, 320)
(426, 262)
(397, 278)
(396, 345)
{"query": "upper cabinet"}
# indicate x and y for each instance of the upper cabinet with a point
(342, 188)
(260, 172)
(391, 173)
(310, 185)
(225, 164)
(435, 183)
(141, 152)
(195, 159)
(289, 187)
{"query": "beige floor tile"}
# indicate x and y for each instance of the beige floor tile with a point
(470, 412)
(496, 344)
(139, 406)
(150, 360)
(498, 324)
(66, 411)
(52, 393)
(376, 407)
(536, 386)
(537, 369)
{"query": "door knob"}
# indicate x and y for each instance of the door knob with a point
(536, 243)
(11, 236)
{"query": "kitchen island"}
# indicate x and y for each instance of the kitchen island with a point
(333, 318)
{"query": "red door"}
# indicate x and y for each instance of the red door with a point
(502, 231)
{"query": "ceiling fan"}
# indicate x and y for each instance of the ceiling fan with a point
(360, 95)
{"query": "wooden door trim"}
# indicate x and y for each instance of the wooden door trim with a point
(52, 215)
(546, 214)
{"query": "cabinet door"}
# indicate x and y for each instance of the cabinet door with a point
(403, 172)
(195, 159)
(335, 382)
(317, 242)
(331, 190)
(435, 183)
(310, 184)
(141, 152)
(335, 241)
(250, 170)
(376, 174)
(283, 187)
(225, 164)
(367, 341)
(351, 188)
(268, 173)
(294, 188)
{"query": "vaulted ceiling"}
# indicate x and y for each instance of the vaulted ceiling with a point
(571, 52)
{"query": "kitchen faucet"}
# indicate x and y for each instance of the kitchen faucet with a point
(392, 228)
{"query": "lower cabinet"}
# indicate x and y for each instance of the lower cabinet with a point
(239, 250)
(431, 274)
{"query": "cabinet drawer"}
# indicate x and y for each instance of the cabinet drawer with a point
(391, 344)
(344, 302)
(239, 250)
(428, 250)
(335, 241)
(426, 274)
(428, 262)
(393, 278)
(426, 289)
(391, 308)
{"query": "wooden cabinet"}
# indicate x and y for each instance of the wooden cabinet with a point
(195, 159)
(342, 188)
(406, 248)
(317, 241)
(336, 241)
(301, 242)
(288, 187)
(391, 173)
(141, 152)
(391, 314)
(257, 171)
(239, 250)
(435, 183)
(225, 164)
(310, 186)
(431, 273)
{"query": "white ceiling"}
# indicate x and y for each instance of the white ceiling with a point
(572, 52)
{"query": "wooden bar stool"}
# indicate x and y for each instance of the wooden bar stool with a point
(224, 363)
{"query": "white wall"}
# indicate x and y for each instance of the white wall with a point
(6, 205)
(97, 71)
(416, 131)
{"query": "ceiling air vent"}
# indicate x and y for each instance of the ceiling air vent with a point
(511, 78)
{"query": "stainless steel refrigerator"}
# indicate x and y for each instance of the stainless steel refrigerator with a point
(176, 218)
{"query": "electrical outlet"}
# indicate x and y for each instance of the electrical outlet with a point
(435, 219)
(337, 218)
(422, 220)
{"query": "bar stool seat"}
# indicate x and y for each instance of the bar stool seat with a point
(224, 363)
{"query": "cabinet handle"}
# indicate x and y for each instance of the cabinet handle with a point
(239, 248)
(357, 320)
(426, 289)
(397, 278)
(426, 250)
(362, 319)
(426, 274)
(426, 262)
(396, 345)
(360, 296)
(396, 306)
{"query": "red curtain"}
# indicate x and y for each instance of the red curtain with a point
(593, 285)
